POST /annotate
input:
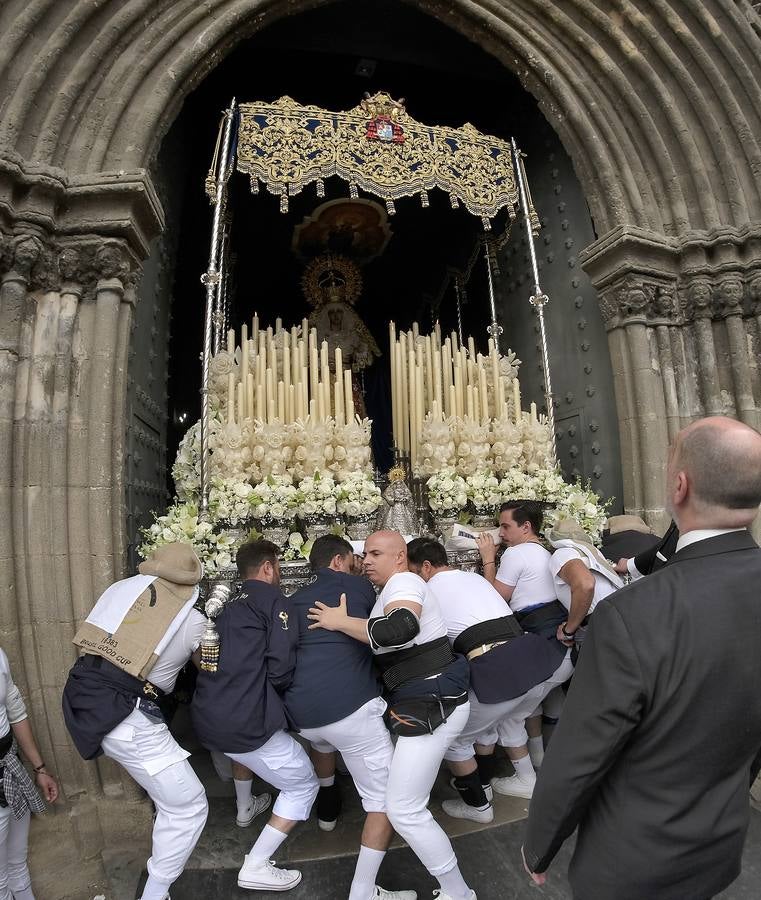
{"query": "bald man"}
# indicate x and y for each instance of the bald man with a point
(661, 732)
(427, 693)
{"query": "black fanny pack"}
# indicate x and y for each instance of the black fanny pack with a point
(419, 661)
(544, 619)
(415, 716)
(490, 632)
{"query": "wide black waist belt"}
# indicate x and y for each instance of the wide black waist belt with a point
(419, 661)
(550, 614)
(489, 632)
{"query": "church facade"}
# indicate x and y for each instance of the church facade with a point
(658, 106)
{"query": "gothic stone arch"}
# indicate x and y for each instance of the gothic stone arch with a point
(658, 105)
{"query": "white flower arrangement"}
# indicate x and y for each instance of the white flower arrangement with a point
(447, 491)
(180, 524)
(230, 500)
(583, 505)
(275, 499)
(316, 496)
(187, 464)
(358, 496)
(483, 490)
(297, 547)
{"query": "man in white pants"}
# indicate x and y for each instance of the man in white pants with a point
(427, 693)
(139, 635)
(239, 710)
(511, 673)
(334, 701)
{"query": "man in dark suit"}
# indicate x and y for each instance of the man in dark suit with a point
(649, 559)
(661, 731)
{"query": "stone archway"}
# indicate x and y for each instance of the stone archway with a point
(658, 106)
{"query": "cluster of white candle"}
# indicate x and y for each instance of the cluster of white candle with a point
(445, 379)
(284, 378)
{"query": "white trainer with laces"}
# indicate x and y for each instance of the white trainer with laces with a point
(514, 786)
(256, 805)
(459, 809)
(442, 896)
(266, 876)
(383, 894)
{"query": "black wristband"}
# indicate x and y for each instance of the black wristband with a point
(566, 635)
(38, 769)
(490, 562)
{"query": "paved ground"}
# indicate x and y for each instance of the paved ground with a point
(489, 861)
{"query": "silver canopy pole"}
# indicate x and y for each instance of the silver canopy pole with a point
(219, 317)
(211, 279)
(457, 290)
(538, 299)
(495, 329)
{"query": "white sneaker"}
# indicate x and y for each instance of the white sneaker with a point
(267, 877)
(255, 806)
(487, 789)
(514, 786)
(459, 809)
(443, 896)
(383, 894)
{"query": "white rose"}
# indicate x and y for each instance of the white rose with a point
(223, 560)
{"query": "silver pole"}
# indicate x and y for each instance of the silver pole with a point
(218, 319)
(210, 279)
(495, 329)
(459, 310)
(538, 299)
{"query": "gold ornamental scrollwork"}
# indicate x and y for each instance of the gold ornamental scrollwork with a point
(376, 147)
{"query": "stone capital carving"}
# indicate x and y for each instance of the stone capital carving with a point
(89, 264)
(729, 295)
(698, 297)
(754, 294)
(634, 299)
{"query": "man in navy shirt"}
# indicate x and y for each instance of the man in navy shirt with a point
(239, 709)
(334, 701)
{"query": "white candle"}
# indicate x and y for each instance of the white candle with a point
(230, 398)
(244, 349)
(241, 404)
(516, 400)
(231, 342)
(261, 403)
(338, 400)
(394, 391)
(533, 412)
(348, 396)
(278, 325)
(314, 371)
(255, 329)
(484, 393)
(281, 401)
(471, 348)
(300, 400)
(320, 402)
(250, 396)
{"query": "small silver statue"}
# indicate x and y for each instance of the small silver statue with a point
(399, 514)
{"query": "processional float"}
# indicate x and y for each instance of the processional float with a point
(378, 148)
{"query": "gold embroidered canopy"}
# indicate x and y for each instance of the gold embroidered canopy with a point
(377, 147)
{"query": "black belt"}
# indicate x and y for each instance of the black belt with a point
(149, 690)
(6, 743)
(489, 632)
(419, 661)
(553, 612)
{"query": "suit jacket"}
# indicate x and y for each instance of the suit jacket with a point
(627, 544)
(652, 755)
(239, 707)
(656, 557)
(335, 674)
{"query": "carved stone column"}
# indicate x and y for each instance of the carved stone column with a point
(663, 312)
(700, 309)
(729, 299)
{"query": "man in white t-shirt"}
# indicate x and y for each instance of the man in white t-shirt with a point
(524, 580)
(511, 673)
(582, 577)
